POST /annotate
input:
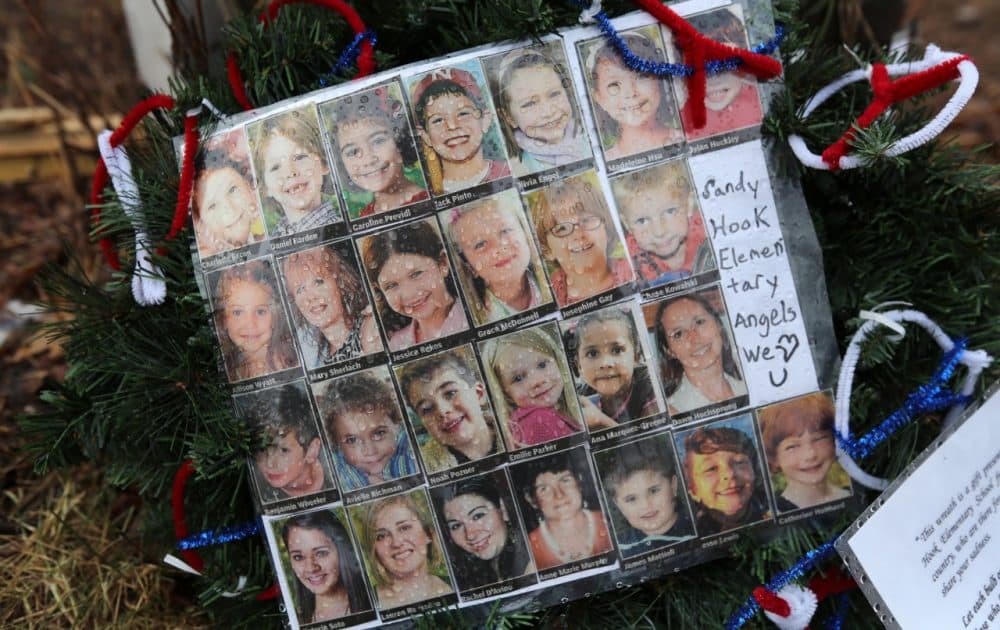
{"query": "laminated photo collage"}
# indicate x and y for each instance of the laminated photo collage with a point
(468, 306)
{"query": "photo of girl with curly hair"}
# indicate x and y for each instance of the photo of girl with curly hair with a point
(374, 152)
(330, 309)
(537, 109)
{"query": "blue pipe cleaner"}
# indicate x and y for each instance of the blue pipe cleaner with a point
(836, 622)
(647, 66)
(350, 54)
(750, 607)
(926, 398)
(219, 536)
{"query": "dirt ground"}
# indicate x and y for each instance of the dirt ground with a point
(76, 54)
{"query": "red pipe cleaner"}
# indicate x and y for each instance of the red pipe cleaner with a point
(822, 586)
(699, 49)
(366, 57)
(100, 179)
(886, 93)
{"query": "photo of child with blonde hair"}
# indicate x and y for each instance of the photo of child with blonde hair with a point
(664, 230)
(578, 239)
(634, 112)
(538, 112)
(498, 264)
(531, 385)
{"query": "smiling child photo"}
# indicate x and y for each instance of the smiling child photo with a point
(225, 210)
(578, 239)
(250, 321)
(364, 427)
(537, 108)
(723, 475)
(634, 112)
(374, 151)
(498, 263)
(295, 185)
(606, 353)
(416, 297)
(801, 452)
(446, 399)
(645, 495)
(664, 228)
(454, 120)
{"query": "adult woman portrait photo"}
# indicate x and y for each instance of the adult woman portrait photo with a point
(328, 583)
(402, 552)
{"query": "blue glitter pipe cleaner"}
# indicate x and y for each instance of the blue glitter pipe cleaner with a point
(661, 69)
(930, 397)
(349, 55)
(220, 536)
(750, 607)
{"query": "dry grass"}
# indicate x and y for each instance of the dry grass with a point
(77, 564)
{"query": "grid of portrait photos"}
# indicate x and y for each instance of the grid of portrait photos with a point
(473, 311)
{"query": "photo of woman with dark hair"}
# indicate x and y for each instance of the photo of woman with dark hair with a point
(485, 541)
(697, 362)
(414, 290)
(374, 151)
(723, 474)
(559, 495)
(328, 580)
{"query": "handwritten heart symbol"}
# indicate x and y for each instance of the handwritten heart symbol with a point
(793, 345)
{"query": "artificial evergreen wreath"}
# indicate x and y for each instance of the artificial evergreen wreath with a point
(143, 394)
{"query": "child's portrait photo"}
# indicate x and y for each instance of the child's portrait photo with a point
(498, 264)
(296, 187)
(578, 239)
(225, 209)
(364, 427)
(634, 112)
(454, 119)
(537, 109)
(561, 509)
(293, 462)
(694, 343)
(402, 549)
(801, 453)
(320, 566)
(416, 296)
(250, 321)
(732, 101)
(723, 475)
(664, 228)
(482, 532)
(332, 315)
(645, 495)
(610, 366)
(532, 387)
(449, 408)
(374, 151)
